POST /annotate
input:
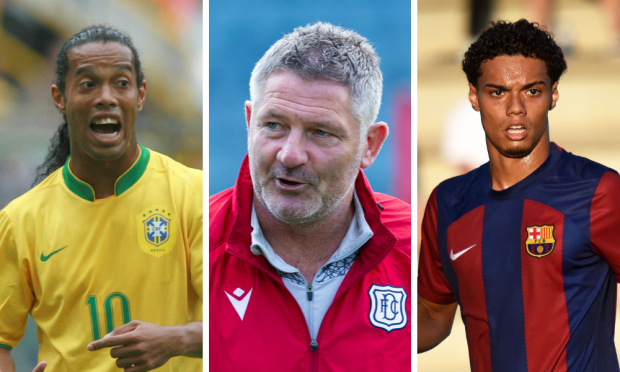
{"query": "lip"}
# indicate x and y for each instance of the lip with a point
(290, 188)
(516, 134)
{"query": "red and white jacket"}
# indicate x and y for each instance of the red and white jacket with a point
(255, 324)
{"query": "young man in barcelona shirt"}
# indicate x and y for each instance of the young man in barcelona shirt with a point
(527, 244)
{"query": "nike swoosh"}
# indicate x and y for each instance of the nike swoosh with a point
(45, 258)
(455, 256)
(240, 305)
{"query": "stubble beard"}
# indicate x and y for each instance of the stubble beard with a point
(310, 210)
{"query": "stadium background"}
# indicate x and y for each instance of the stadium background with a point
(168, 36)
(584, 122)
(240, 32)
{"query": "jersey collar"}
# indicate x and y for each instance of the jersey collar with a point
(122, 184)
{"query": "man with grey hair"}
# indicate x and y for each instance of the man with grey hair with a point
(309, 268)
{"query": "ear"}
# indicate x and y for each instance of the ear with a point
(141, 95)
(554, 95)
(248, 113)
(59, 99)
(377, 134)
(473, 97)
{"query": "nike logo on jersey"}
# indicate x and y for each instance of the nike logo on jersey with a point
(45, 258)
(242, 304)
(455, 256)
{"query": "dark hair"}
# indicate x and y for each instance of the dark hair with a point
(59, 150)
(508, 39)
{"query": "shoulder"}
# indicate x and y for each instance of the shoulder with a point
(393, 209)
(163, 164)
(34, 199)
(457, 190)
(216, 200)
(220, 217)
(580, 168)
(396, 216)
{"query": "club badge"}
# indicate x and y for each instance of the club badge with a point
(157, 230)
(540, 240)
(388, 307)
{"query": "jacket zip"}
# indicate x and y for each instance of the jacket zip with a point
(314, 346)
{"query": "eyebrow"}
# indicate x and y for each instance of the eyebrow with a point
(505, 88)
(86, 69)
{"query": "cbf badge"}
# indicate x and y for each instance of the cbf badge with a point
(157, 230)
(387, 307)
(540, 240)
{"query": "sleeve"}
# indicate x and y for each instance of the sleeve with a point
(195, 237)
(605, 221)
(15, 295)
(432, 283)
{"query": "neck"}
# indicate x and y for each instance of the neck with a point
(102, 175)
(506, 171)
(306, 247)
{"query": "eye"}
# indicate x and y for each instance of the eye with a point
(497, 93)
(533, 92)
(321, 133)
(87, 84)
(123, 83)
(273, 126)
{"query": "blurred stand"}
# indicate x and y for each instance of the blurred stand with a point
(168, 36)
(542, 11)
(584, 121)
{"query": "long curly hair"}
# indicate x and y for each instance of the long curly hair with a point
(507, 39)
(60, 148)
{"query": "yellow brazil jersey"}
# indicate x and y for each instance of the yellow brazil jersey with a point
(82, 267)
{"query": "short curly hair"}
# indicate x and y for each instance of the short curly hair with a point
(508, 39)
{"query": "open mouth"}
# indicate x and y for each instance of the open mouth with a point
(516, 129)
(288, 183)
(106, 127)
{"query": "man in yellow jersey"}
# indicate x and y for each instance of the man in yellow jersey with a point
(106, 252)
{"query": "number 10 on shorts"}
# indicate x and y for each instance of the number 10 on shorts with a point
(108, 311)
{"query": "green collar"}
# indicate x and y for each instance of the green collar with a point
(123, 183)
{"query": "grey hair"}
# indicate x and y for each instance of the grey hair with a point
(323, 51)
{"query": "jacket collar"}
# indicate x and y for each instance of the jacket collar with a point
(240, 241)
(122, 184)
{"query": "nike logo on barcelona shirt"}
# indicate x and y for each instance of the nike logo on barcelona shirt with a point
(45, 258)
(455, 256)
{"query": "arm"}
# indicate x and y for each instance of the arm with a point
(8, 365)
(434, 323)
(6, 361)
(140, 346)
(435, 316)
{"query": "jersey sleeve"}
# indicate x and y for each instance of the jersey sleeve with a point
(15, 295)
(605, 221)
(432, 283)
(195, 237)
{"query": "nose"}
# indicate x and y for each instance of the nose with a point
(293, 152)
(106, 97)
(515, 106)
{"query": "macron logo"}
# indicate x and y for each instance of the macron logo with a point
(455, 256)
(240, 304)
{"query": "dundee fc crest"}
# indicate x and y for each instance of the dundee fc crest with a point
(157, 230)
(388, 307)
(540, 240)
